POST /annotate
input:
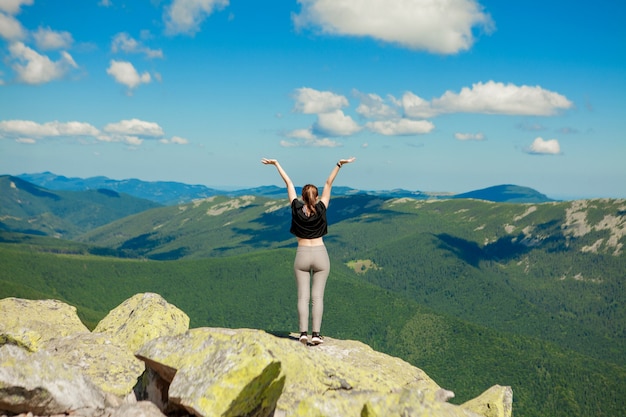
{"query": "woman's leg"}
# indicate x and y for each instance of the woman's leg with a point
(321, 270)
(302, 271)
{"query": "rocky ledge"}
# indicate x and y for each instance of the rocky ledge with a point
(142, 360)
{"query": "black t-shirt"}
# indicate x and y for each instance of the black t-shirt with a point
(310, 227)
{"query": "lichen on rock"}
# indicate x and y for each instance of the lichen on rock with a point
(142, 318)
(216, 376)
(42, 384)
(111, 366)
(32, 323)
(334, 379)
(203, 372)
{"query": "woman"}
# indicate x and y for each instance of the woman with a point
(308, 223)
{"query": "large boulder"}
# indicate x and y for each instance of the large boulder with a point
(105, 356)
(43, 385)
(212, 375)
(334, 379)
(142, 318)
(32, 323)
(111, 366)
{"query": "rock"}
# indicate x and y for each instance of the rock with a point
(41, 384)
(410, 403)
(205, 372)
(140, 409)
(142, 318)
(110, 366)
(497, 401)
(336, 375)
(32, 323)
(216, 376)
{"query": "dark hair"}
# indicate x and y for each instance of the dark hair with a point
(309, 195)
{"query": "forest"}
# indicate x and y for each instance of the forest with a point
(472, 292)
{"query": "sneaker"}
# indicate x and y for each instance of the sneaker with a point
(304, 339)
(317, 339)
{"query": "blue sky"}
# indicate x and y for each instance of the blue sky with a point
(428, 95)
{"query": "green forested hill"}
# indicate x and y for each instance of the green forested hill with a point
(554, 271)
(257, 290)
(465, 289)
(34, 210)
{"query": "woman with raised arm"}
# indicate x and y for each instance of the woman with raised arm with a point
(308, 223)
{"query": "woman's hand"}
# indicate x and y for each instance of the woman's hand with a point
(269, 161)
(347, 161)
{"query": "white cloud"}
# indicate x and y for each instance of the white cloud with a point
(32, 130)
(26, 127)
(335, 123)
(543, 147)
(436, 26)
(415, 106)
(469, 136)
(498, 98)
(305, 134)
(372, 106)
(28, 141)
(311, 101)
(123, 42)
(127, 139)
(105, 3)
(14, 6)
(306, 138)
(132, 140)
(489, 98)
(77, 129)
(325, 143)
(179, 141)
(310, 143)
(47, 39)
(10, 28)
(288, 144)
(134, 127)
(132, 132)
(125, 73)
(406, 116)
(176, 140)
(403, 127)
(186, 16)
(33, 68)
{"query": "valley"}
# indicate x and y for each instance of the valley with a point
(524, 294)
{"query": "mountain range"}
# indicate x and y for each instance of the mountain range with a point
(172, 193)
(465, 288)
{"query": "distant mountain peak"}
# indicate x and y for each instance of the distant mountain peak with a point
(506, 193)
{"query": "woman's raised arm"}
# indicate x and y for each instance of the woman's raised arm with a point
(331, 178)
(291, 190)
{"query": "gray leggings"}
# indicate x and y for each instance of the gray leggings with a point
(311, 261)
